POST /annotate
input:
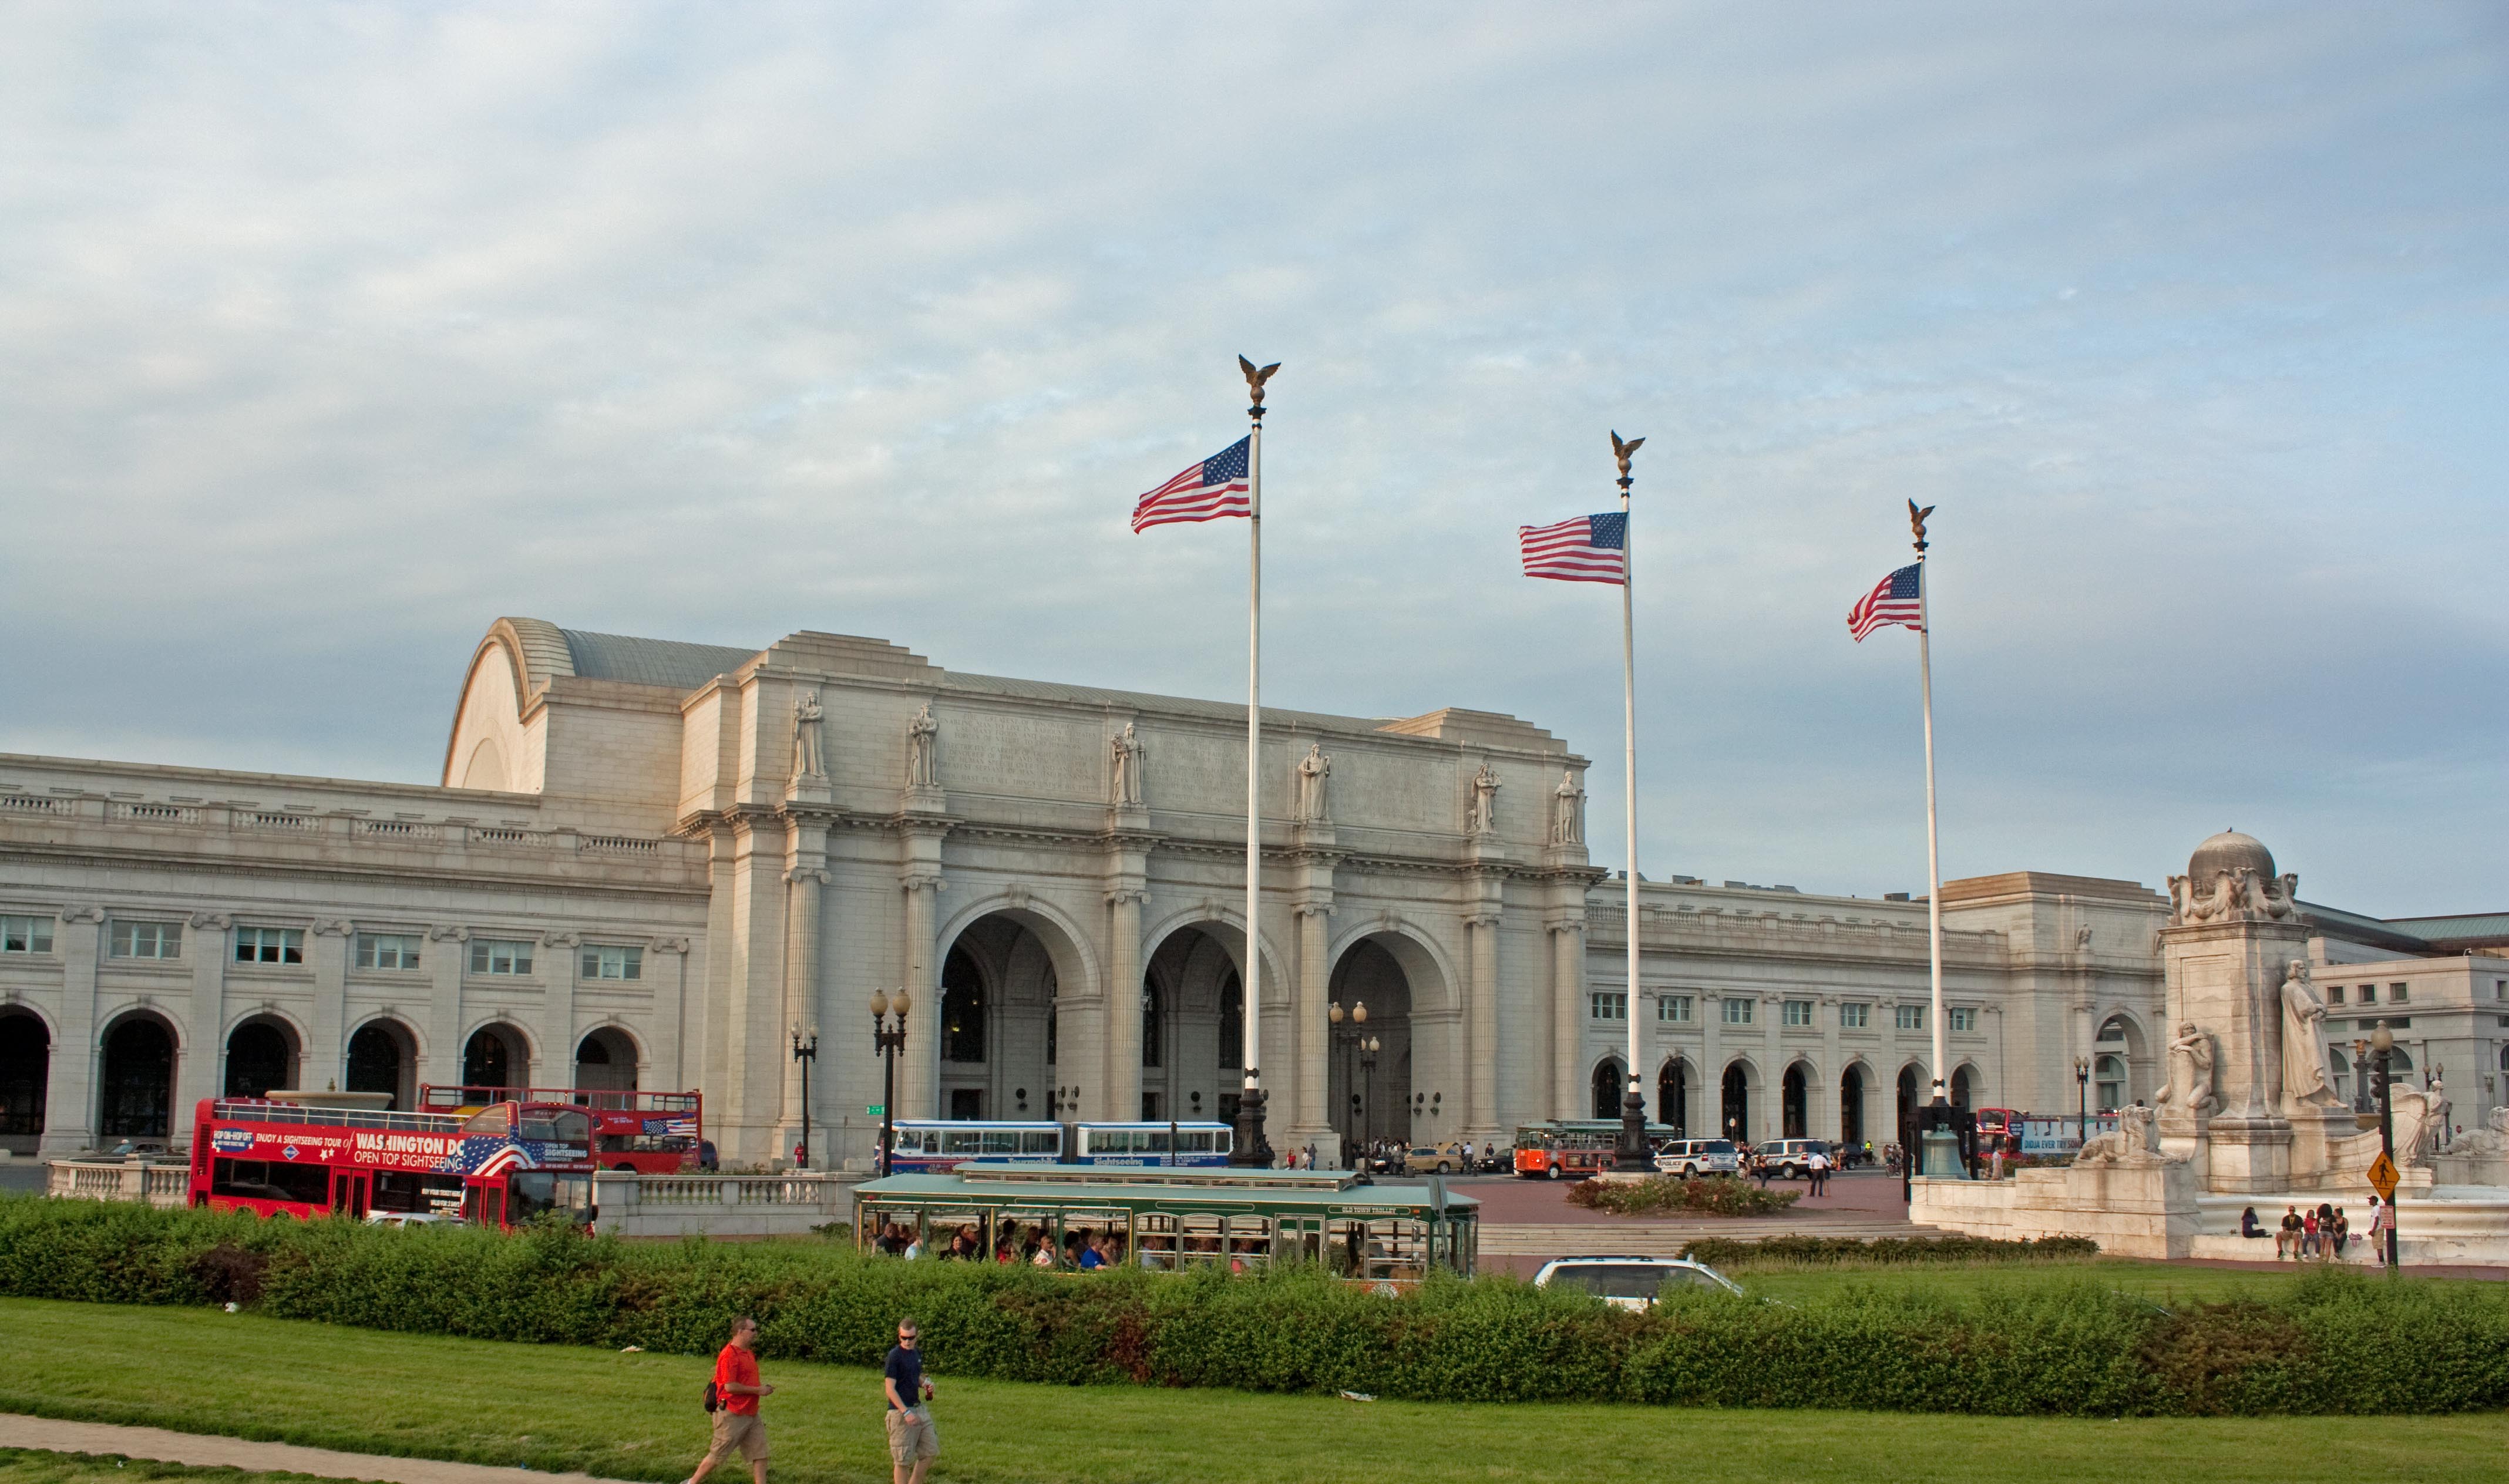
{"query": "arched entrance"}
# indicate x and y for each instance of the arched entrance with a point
(2117, 1064)
(383, 1057)
(1964, 1088)
(139, 1089)
(1003, 1049)
(495, 1056)
(1794, 1103)
(25, 1080)
(1735, 1116)
(1376, 1104)
(1672, 1095)
(605, 1061)
(1908, 1105)
(1608, 1082)
(261, 1055)
(1851, 1105)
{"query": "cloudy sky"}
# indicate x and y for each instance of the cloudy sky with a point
(335, 332)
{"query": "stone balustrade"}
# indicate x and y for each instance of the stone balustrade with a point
(104, 1179)
(791, 1204)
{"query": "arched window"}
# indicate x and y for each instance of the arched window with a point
(1962, 1089)
(1737, 1110)
(1794, 1103)
(2108, 1075)
(606, 1061)
(1672, 1095)
(2339, 1075)
(26, 1065)
(260, 1056)
(1154, 1026)
(138, 1079)
(963, 1009)
(1233, 1022)
(489, 1060)
(1607, 1090)
(1850, 1106)
(377, 1055)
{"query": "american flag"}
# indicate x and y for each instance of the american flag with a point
(1895, 598)
(1586, 548)
(683, 1127)
(1218, 486)
(488, 1154)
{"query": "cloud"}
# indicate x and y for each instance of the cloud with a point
(337, 334)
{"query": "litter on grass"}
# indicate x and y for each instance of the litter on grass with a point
(1357, 1396)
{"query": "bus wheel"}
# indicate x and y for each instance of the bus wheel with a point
(1556, 1171)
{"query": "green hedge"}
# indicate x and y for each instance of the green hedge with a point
(2339, 1342)
(1889, 1251)
(1655, 1195)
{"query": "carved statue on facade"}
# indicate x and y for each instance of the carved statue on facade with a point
(1128, 766)
(1568, 821)
(809, 760)
(2234, 894)
(2191, 1072)
(2132, 1142)
(2303, 1040)
(1482, 817)
(1313, 769)
(923, 750)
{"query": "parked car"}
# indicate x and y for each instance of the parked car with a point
(1691, 1158)
(1790, 1159)
(1632, 1282)
(137, 1149)
(406, 1218)
(1434, 1158)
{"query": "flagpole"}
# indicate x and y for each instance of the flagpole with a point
(1633, 1153)
(1950, 1165)
(1250, 1147)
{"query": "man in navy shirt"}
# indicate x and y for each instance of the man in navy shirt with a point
(912, 1445)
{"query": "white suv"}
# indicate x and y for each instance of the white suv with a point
(1691, 1158)
(1790, 1158)
(1632, 1282)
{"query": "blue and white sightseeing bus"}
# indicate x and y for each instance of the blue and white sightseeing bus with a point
(924, 1145)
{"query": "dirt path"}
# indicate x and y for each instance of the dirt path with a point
(19, 1431)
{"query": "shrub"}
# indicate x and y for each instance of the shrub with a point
(2337, 1342)
(1656, 1195)
(1819, 1251)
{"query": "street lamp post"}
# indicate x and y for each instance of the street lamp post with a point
(888, 1043)
(2083, 1100)
(805, 1051)
(1347, 1041)
(2382, 1043)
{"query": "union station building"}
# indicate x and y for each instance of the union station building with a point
(649, 864)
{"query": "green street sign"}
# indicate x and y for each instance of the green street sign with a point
(875, 1110)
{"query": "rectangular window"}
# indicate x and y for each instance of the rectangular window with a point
(2397, 994)
(25, 935)
(270, 946)
(1674, 1008)
(612, 962)
(1909, 1016)
(2392, 1022)
(147, 940)
(1798, 1012)
(387, 950)
(1609, 1005)
(1737, 1012)
(2335, 994)
(499, 956)
(1854, 1016)
(1962, 1017)
(2369, 994)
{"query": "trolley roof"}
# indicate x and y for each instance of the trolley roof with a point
(1324, 1192)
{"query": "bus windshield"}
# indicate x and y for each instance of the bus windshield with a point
(554, 1125)
(538, 1192)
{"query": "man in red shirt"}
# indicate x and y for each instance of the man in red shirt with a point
(737, 1425)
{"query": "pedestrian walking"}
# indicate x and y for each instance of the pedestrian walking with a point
(733, 1399)
(1817, 1166)
(913, 1444)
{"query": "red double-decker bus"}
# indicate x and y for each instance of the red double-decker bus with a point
(649, 1132)
(501, 1165)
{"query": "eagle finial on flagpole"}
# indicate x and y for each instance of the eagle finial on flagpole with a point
(1917, 523)
(1622, 451)
(1256, 377)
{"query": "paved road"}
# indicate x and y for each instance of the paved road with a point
(19, 1431)
(21, 1175)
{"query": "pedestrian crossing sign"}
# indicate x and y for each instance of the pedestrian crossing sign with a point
(2382, 1177)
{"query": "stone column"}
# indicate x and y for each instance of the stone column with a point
(1481, 1039)
(667, 965)
(1568, 1016)
(439, 1061)
(2228, 981)
(1311, 1121)
(1119, 1090)
(1712, 1065)
(1832, 1068)
(324, 1064)
(1771, 1109)
(208, 948)
(70, 1091)
(806, 884)
(554, 1066)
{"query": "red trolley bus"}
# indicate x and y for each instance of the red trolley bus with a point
(501, 1166)
(1575, 1148)
(649, 1132)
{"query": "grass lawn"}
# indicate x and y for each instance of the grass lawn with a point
(2164, 1283)
(23, 1466)
(637, 1417)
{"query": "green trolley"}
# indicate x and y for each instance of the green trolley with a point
(1168, 1220)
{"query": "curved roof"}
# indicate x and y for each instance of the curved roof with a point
(649, 661)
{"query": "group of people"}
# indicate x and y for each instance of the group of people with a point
(737, 1390)
(2321, 1232)
(1083, 1250)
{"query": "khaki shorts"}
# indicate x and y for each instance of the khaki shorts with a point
(911, 1436)
(741, 1430)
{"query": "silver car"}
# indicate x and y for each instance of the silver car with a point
(1632, 1282)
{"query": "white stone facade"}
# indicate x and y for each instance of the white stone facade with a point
(699, 848)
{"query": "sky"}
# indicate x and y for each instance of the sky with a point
(334, 333)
